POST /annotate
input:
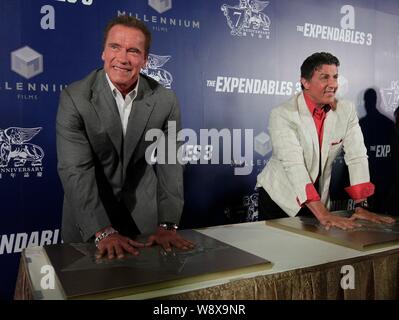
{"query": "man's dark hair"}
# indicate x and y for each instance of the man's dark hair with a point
(314, 62)
(130, 22)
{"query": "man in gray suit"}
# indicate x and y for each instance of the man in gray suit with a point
(111, 192)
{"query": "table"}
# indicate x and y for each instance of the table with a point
(303, 268)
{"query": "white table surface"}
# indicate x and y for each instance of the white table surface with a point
(286, 250)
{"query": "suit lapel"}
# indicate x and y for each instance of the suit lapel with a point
(328, 131)
(142, 108)
(105, 105)
(308, 123)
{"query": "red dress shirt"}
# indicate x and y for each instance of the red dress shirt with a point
(356, 192)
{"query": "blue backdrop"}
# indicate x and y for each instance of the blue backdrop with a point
(229, 62)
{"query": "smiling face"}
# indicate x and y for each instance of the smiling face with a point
(323, 85)
(124, 56)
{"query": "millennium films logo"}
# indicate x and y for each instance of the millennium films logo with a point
(26, 62)
(247, 18)
(390, 96)
(162, 23)
(160, 6)
(19, 156)
(262, 143)
(346, 33)
(153, 70)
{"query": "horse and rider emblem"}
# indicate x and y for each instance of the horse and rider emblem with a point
(390, 96)
(153, 70)
(15, 149)
(246, 17)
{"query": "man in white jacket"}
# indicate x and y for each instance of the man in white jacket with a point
(307, 133)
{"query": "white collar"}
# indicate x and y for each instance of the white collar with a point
(114, 90)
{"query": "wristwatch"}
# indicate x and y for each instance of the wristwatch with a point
(362, 204)
(168, 226)
(107, 232)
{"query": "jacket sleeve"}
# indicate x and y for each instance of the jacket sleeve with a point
(356, 159)
(355, 150)
(288, 150)
(170, 174)
(76, 169)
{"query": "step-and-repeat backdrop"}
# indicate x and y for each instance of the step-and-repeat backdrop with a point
(229, 62)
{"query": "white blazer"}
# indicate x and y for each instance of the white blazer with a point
(295, 159)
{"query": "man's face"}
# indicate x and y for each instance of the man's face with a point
(124, 56)
(323, 84)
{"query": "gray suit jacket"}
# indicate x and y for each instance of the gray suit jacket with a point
(105, 176)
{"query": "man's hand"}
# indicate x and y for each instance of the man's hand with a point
(168, 238)
(363, 214)
(327, 219)
(330, 220)
(116, 245)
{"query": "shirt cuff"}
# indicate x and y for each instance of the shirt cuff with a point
(311, 194)
(361, 190)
